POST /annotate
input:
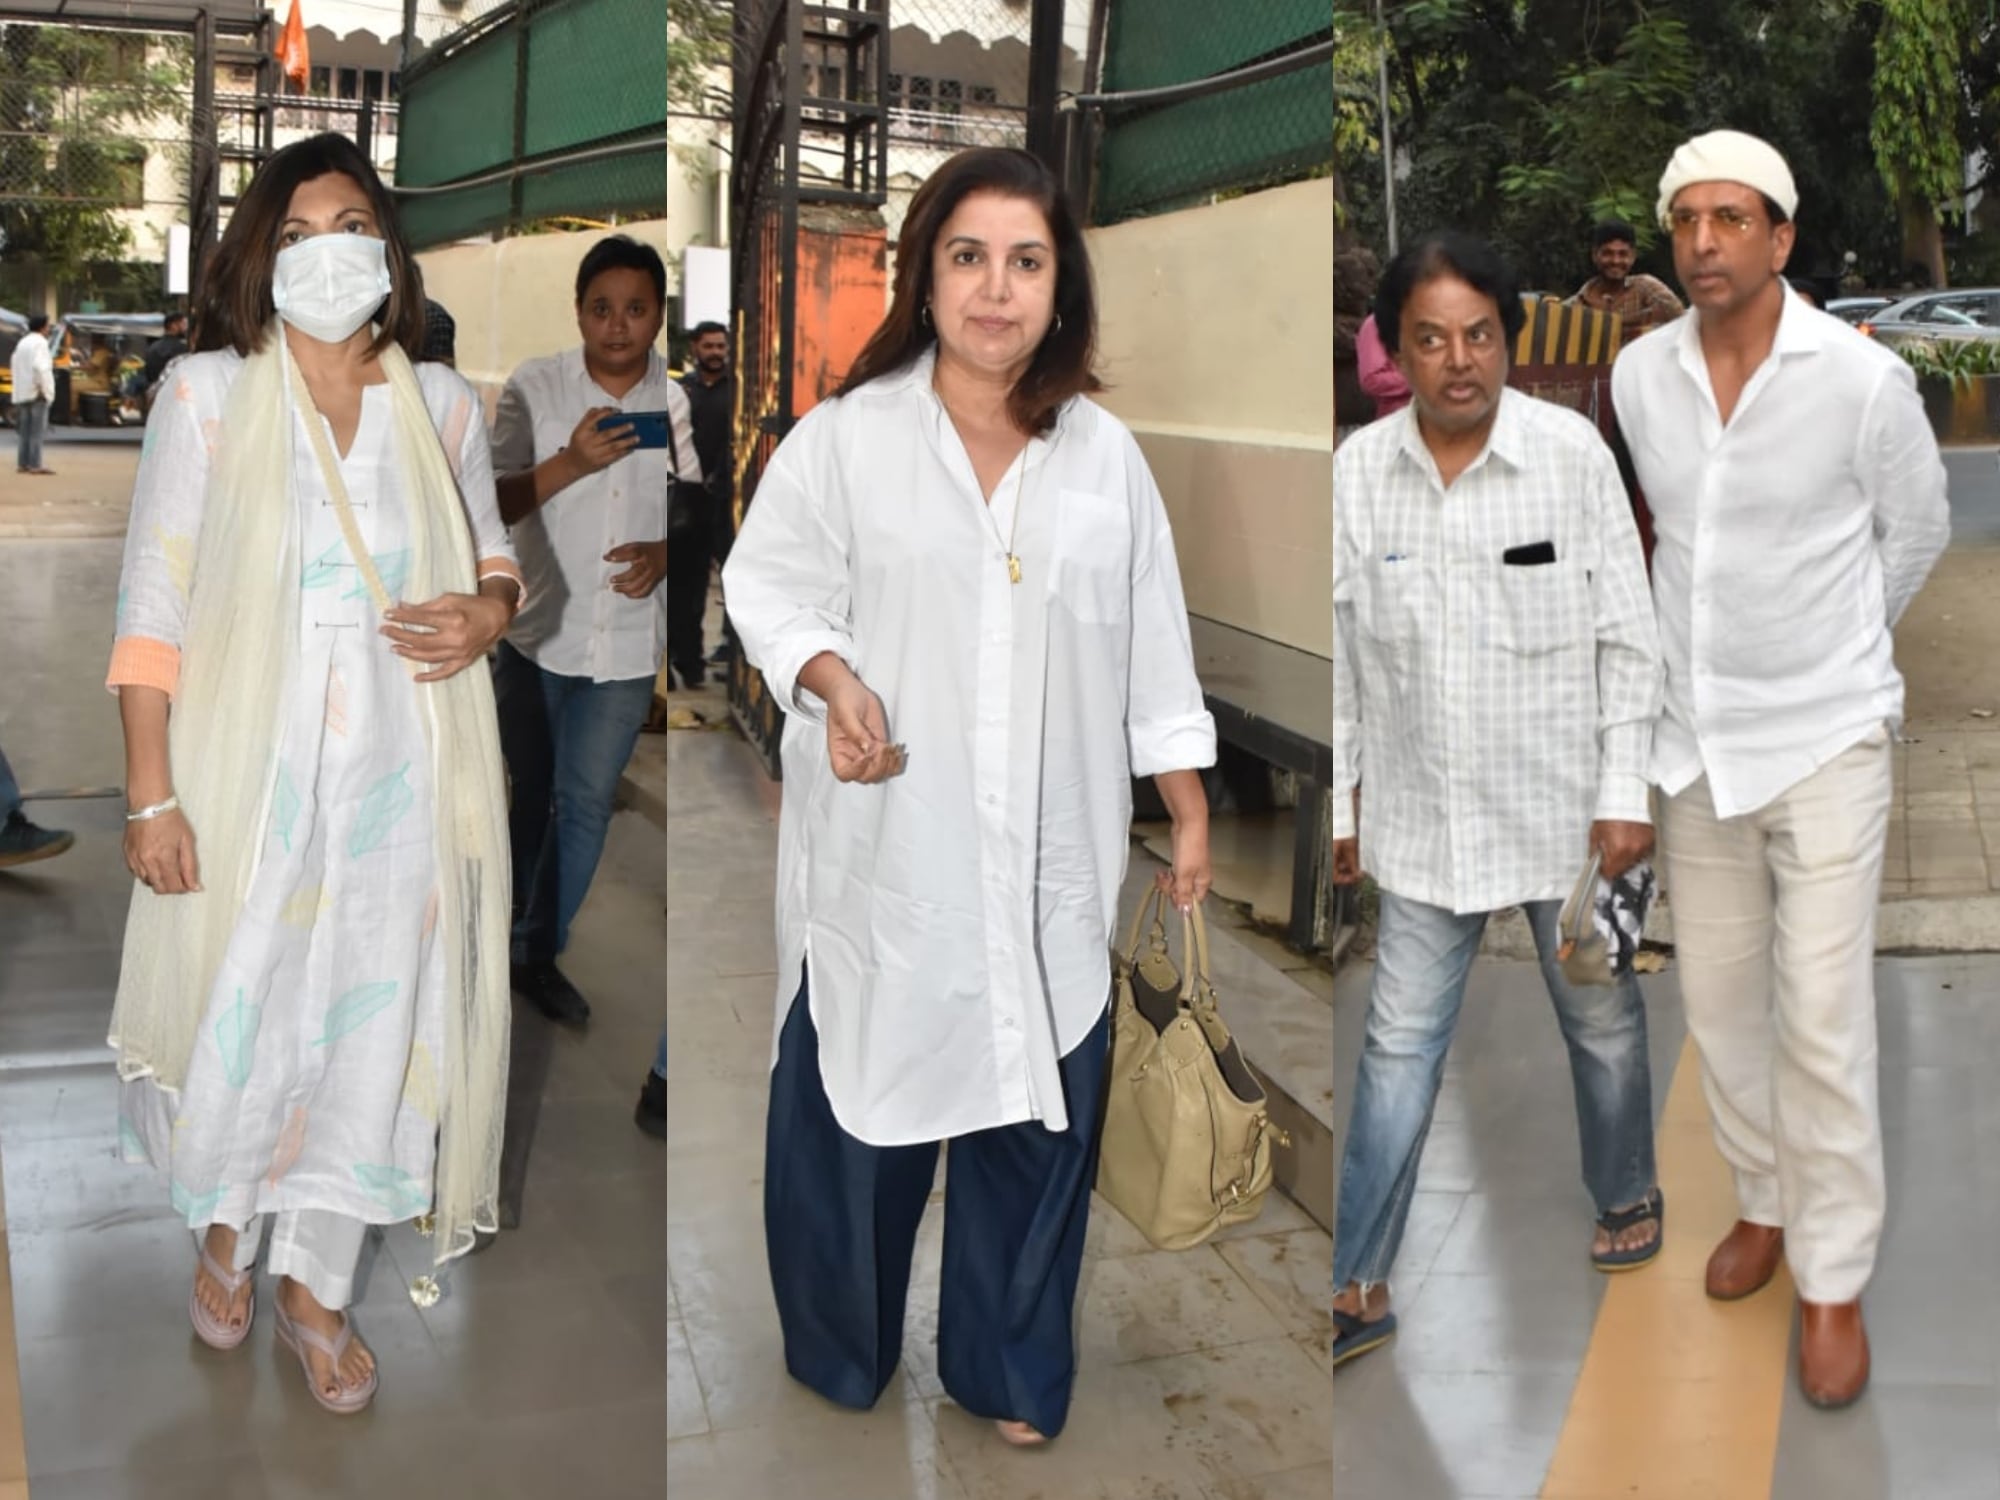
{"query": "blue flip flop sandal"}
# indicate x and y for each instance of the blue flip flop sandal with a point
(1653, 1207)
(1353, 1338)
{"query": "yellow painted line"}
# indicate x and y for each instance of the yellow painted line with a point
(1680, 1396)
(13, 1442)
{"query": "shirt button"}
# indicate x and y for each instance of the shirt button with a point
(1008, 1023)
(991, 799)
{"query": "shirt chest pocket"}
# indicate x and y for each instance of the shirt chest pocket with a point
(1091, 566)
(1540, 609)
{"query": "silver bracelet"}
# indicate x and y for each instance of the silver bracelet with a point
(158, 809)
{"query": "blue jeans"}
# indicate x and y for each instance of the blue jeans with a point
(566, 741)
(10, 790)
(31, 418)
(1423, 957)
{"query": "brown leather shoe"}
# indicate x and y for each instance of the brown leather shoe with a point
(1833, 1353)
(1746, 1259)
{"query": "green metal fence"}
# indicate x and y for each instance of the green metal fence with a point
(557, 86)
(1158, 157)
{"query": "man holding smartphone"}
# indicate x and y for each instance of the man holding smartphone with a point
(586, 499)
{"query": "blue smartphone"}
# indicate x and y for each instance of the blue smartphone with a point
(650, 427)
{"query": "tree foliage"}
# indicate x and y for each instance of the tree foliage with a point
(1527, 120)
(697, 43)
(74, 108)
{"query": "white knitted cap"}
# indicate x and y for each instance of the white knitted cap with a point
(1730, 156)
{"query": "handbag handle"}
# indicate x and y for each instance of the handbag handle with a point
(1197, 989)
(1148, 907)
(1574, 923)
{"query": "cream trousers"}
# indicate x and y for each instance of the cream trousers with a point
(1774, 930)
(313, 1246)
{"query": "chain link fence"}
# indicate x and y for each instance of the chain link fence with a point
(1271, 125)
(538, 112)
(95, 143)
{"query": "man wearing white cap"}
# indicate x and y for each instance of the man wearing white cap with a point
(1799, 503)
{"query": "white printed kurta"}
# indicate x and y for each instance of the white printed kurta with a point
(314, 1080)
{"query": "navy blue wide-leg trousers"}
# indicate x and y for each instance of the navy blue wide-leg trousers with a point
(840, 1225)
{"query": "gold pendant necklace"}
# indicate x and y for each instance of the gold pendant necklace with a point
(1020, 486)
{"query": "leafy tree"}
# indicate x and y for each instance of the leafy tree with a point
(1916, 127)
(1525, 120)
(73, 105)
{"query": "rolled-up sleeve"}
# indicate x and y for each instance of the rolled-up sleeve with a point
(1631, 676)
(157, 578)
(1167, 725)
(513, 446)
(786, 581)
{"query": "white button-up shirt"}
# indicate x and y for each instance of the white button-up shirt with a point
(1489, 711)
(954, 920)
(32, 370)
(1787, 545)
(573, 623)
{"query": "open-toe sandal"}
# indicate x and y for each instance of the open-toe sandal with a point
(212, 1331)
(300, 1340)
(1653, 1208)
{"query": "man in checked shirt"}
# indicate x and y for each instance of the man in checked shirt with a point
(1496, 675)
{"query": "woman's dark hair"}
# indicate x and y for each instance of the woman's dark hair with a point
(1449, 253)
(1612, 231)
(1063, 364)
(620, 252)
(233, 305)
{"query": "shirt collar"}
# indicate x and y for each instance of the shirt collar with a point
(1507, 442)
(577, 370)
(1799, 332)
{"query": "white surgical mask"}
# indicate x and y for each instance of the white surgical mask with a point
(327, 286)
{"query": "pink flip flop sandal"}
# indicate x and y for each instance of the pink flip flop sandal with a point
(299, 1340)
(216, 1332)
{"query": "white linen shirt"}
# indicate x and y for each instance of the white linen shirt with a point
(1787, 545)
(572, 622)
(1489, 711)
(954, 920)
(32, 370)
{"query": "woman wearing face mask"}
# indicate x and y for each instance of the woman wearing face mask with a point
(311, 1020)
(959, 580)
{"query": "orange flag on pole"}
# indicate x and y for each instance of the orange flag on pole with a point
(292, 48)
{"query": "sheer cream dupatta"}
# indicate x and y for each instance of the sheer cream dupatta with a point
(240, 646)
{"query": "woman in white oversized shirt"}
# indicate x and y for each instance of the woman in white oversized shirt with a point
(312, 1010)
(958, 578)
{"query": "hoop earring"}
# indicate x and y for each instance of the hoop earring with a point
(924, 312)
(1058, 322)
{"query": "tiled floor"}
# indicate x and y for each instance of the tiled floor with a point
(1498, 1306)
(1203, 1374)
(542, 1373)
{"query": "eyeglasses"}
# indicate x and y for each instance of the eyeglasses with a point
(1682, 222)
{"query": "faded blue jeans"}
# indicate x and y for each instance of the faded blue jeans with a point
(1423, 957)
(566, 741)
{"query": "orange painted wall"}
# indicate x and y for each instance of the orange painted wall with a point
(842, 285)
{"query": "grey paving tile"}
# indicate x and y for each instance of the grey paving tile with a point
(1928, 1443)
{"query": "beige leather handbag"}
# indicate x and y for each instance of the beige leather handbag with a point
(1187, 1127)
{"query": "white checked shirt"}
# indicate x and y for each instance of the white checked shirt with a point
(955, 919)
(1787, 545)
(1489, 711)
(573, 623)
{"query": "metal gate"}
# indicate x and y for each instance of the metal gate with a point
(808, 79)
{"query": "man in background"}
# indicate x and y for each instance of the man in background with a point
(1639, 301)
(164, 350)
(710, 387)
(34, 390)
(574, 677)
